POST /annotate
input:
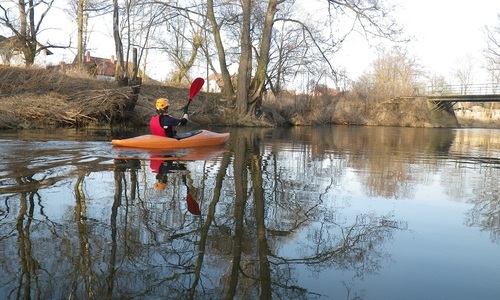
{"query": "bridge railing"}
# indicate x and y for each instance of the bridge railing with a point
(470, 89)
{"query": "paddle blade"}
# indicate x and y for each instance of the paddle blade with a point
(193, 206)
(195, 87)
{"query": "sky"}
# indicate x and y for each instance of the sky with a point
(442, 33)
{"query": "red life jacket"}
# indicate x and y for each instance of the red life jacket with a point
(155, 126)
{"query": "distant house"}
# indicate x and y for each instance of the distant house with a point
(322, 90)
(11, 54)
(102, 68)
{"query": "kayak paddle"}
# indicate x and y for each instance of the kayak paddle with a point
(193, 90)
(193, 206)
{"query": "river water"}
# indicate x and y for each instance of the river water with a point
(300, 213)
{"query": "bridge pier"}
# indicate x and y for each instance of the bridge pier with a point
(442, 114)
(419, 112)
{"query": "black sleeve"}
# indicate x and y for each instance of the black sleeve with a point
(169, 121)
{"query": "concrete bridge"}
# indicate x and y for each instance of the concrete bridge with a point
(485, 92)
(441, 100)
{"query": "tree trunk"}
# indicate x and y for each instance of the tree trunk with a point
(245, 67)
(226, 77)
(120, 74)
(246, 105)
(79, 19)
(27, 35)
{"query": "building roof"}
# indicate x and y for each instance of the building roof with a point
(104, 66)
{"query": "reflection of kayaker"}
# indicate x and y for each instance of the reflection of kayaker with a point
(164, 167)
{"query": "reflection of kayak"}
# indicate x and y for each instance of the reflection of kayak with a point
(190, 154)
(189, 139)
(198, 153)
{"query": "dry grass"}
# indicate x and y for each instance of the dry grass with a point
(299, 109)
(39, 98)
(468, 122)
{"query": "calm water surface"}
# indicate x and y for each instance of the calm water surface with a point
(302, 213)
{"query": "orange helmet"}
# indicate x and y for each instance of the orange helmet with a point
(162, 103)
(160, 186)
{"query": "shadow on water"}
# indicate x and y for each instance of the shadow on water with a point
(77, 222)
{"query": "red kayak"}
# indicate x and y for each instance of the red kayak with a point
(197, 138)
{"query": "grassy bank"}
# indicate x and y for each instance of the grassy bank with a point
(38, 98)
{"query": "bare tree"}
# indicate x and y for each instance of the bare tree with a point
(368, 17)
(83, 10)
(25, 25)
(438, 85)
(135, 23)
(464, 72)
(81, 19)
(492, 53)
(182, 46)
(395, 73)
(120, 72)
(221, 51)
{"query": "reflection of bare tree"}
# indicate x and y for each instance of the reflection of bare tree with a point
(394, 158)
(135, 242)
(40, 241)
(121, 166)
(486, 212)
(29, 266)
(204, 232)
(356, 246)
(84, 275)
(240, 184)
(28, 283)
(260, 217)
(257, 267)
(388, 161)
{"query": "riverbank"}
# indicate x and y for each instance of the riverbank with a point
(39, 98)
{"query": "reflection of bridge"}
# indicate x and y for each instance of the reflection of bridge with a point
(488, 92)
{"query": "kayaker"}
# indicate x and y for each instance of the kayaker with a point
(164, 124)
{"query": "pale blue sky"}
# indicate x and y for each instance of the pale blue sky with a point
(442, 32)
